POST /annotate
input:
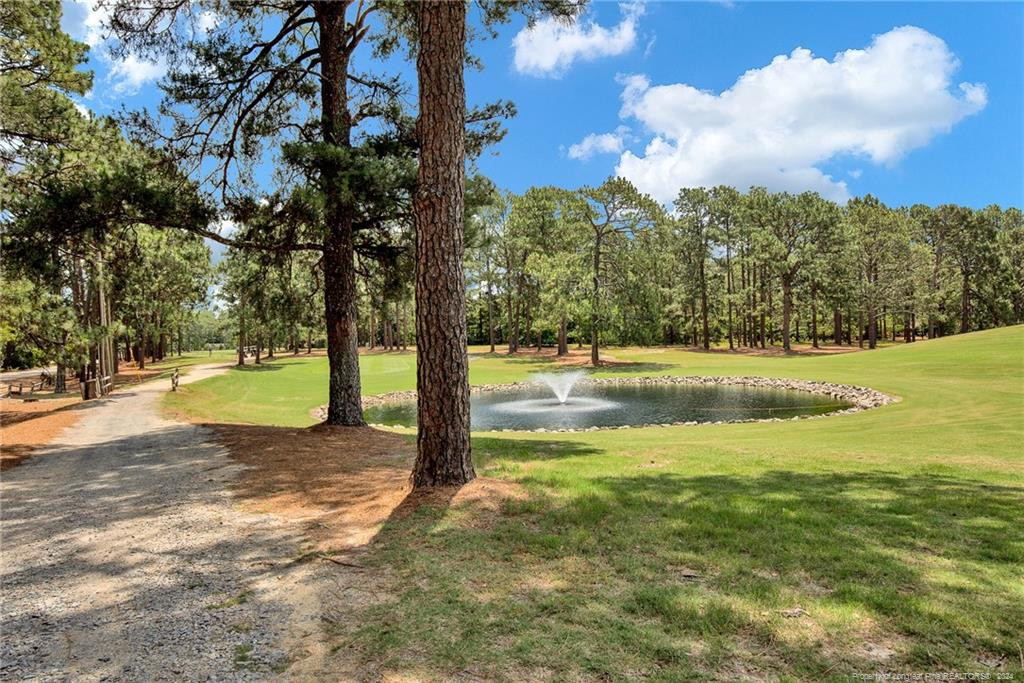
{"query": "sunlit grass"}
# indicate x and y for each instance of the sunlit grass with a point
(891, 539)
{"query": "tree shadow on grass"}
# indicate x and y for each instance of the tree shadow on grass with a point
(631, 367)
(488, 450)
(262, 367)
(682, 576)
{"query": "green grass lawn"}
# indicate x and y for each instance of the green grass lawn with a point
(675, 553)
(192, 358)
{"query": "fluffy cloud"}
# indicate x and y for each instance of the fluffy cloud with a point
(129, 74)
(549, 47)
(599, 143)
(778, 123)
(124, 76)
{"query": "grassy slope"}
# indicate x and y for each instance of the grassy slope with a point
(900, 531)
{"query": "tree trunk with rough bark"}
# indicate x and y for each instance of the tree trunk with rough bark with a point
(814, 317)
(241, 330)
(705, 326)
(595, 356)
(786, 310)
(728, 292)
(563, 340)
(340, 295)
(443, 456)
(965, 303)
(490, 306)
(872, 328)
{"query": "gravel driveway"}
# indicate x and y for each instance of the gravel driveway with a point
(123, 557)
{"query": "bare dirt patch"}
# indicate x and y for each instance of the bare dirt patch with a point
(343, 483)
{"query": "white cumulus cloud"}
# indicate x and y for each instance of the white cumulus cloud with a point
(124, 76)
(549, 47)
(599, 143)
(776, 124)
(131, 73)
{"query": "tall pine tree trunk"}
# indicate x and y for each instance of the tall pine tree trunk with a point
(787, 309)
(340, 294)
(241, 329)
(60, 382)
(443, 455)
(872, 327)
(728, 290)
(965, 303)
(705, 327)
(595, 356)
(490, 317)
(563, 341)
(814, 317)
(490, 310)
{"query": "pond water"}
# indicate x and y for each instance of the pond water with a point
(610, 405)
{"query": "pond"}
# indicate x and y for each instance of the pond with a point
(610, 405)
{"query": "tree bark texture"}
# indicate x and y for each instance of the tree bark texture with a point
(340, 294)
(705, 327)
(965, 302)
(595, 356)
(443, 455)
(563, 341)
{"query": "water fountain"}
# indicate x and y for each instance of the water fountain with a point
(562, 406)
(561, 383)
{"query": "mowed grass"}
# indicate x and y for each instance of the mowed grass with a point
(185, 362)
(889, 540)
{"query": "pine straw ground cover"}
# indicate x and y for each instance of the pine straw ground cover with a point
(891, 540)
(27, 425)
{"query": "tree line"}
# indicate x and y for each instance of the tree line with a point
(608, 265)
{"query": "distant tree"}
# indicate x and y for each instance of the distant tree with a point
(694, 214)
(971, 241)
(876, 230)
(614, 208)
(792, 231)
(726, 216)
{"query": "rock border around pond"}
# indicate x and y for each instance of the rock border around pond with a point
(859, 398)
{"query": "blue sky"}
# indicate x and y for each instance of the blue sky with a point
(915, 102)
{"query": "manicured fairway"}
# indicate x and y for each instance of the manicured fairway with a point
(892, 539)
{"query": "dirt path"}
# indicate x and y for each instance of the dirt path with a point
(125, 558)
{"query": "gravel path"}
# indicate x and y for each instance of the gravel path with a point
(123, 557)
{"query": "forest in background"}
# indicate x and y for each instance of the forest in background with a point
(104, 259)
